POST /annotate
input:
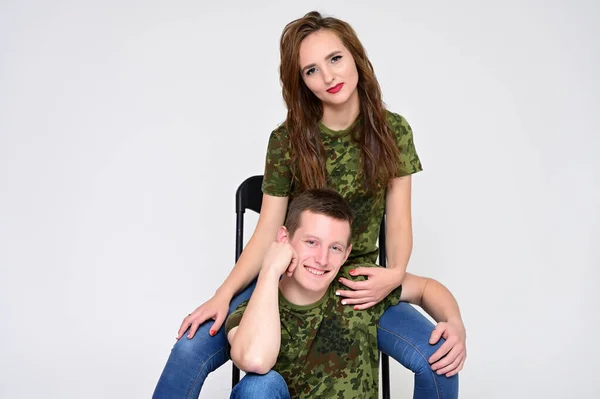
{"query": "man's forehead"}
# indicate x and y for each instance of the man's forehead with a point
(311, 223)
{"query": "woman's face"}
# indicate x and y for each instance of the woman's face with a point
(328, 69)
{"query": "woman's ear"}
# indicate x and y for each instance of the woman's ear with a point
(282, 235)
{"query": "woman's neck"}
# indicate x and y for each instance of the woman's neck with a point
(342, 116)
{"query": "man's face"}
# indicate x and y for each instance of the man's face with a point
(322, 245)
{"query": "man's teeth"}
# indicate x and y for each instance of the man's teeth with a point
(317, 272)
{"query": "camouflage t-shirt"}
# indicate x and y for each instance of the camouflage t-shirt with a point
(327, 350)
(342, 163)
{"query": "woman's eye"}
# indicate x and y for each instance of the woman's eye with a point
(336, 58)
(310, 242)
(311, 71)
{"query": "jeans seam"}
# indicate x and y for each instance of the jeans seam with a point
(202, 369)
(437, 389)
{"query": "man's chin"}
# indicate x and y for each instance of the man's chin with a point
(316, 286)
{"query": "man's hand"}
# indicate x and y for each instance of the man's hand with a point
(215, 308)
(450, 358)
(280, 258)
(380, 282)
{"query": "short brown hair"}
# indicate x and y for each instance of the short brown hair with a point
(323, 201)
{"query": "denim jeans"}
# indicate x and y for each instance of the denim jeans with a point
(256, 386)
(402, 333)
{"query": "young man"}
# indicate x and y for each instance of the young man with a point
(294, 331)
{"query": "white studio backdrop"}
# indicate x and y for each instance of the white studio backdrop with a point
(125, 128)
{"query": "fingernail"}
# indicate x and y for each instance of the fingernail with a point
(340, 280)
(343, 302)
(189, 336)
(337, 293)
(212, 333)
(356, 308)
(352, 271)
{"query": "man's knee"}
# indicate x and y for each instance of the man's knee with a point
(270, 385)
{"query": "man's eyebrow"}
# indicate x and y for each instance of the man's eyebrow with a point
(330, 55)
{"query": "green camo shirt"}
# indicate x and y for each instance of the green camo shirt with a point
(343, 161)
(328, 350)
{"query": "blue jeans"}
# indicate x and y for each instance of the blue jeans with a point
(402, 333)
(255, 386)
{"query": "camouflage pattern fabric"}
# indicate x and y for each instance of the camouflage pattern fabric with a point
(328, 350)
(342, 166)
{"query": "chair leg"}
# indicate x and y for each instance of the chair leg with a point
(385, 375)
(235, 376)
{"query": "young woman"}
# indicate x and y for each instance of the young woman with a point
(337, 134)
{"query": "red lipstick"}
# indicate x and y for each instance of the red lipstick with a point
(335, 88)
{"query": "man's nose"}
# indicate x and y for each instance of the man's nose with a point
(322, 256)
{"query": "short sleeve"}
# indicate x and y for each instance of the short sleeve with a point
(392, 299)
(277, 178)
(234, 318)
(409, 159)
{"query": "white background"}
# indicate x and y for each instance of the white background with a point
(126, 126)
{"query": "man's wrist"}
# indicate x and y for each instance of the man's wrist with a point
(270, 273)
(456, 321)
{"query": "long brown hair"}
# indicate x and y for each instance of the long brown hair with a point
(379, 151)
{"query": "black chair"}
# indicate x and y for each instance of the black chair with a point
(249, 196)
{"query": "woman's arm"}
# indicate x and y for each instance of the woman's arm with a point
(272, 216)
(398, 225)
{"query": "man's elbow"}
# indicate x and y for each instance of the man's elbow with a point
(252, 363)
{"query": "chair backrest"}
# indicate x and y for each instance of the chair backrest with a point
(249, 196)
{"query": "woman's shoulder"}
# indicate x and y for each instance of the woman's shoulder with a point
(280, 133)
(279, 143)
(397, 122)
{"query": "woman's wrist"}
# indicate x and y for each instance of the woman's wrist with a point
(398, 273)
(224, 292)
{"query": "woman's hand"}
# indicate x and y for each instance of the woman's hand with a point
(378, 284)
(450, 358)
(216, 308)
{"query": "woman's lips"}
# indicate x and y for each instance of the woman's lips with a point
(335, 88)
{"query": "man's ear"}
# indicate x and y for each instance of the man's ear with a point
(282, 235)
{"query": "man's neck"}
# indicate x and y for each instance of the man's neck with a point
(296, 294)
(342, 116)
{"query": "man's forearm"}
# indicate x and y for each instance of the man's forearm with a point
(439, 302)
(256, 343)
